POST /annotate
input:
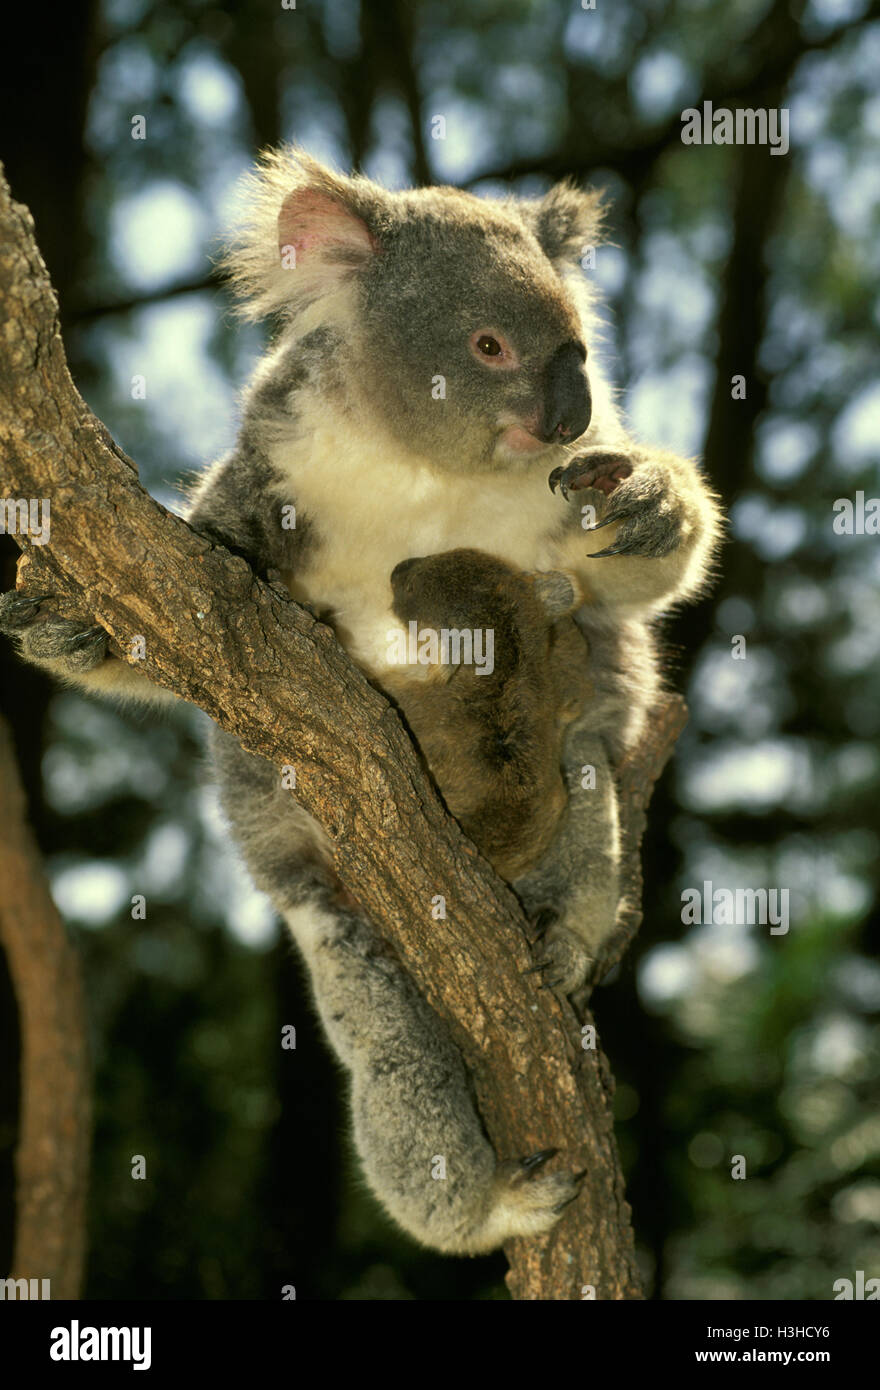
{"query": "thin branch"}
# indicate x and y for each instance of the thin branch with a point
(88, 313)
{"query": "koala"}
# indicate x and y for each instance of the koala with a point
(432, 390)
(492, 734)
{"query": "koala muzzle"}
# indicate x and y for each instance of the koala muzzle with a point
(567, 402)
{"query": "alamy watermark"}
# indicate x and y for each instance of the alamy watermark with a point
(858, 516)
(21, 516)
(446, 646)
(728, 907)
(742, 127)
(29, 1289)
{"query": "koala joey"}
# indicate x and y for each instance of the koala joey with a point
(492, 734)
(432, 392)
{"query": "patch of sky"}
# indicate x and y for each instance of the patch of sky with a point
(775, 531)
(746, 697)
(188, 393)
(91, 893)
(757, 778)
(785, 448)
(660, 83)
(158, 234)
(128, 81)
(855, 434)
(248, 914)
(669, 407)
(209, 89)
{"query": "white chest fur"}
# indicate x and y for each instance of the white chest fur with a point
(374, 506)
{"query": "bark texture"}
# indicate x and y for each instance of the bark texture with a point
(52, 1156)
(266, 671)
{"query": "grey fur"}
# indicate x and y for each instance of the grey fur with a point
(385, 297)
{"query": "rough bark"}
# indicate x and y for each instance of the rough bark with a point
(265, 670)
(52, 1155)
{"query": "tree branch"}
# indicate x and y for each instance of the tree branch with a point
(266, 671)
(52, 1155)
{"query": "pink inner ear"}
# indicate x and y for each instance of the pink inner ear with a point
(312, 221)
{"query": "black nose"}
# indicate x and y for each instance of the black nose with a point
(567, 403)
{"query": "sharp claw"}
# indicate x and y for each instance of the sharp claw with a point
(567, 1203)
(556, 480)
(535, 1161)
(83, 637)
(611, 550)
(550, 984)
(544, 916)
(533, 969)
(608, 521)
(23, 602)
(21, 605)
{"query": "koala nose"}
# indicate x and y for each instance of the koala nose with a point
(567, 402)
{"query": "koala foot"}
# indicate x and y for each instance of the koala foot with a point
(65, 646)
(528, 1201)
(645, 500)
(564, 956)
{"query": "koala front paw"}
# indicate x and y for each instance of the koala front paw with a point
(62, 645)
(646, 502)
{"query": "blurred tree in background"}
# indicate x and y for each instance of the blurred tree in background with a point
(724, 262)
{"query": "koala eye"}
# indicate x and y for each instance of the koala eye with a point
(492, 349)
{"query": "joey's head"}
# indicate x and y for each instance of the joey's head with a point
(462, 336)
(469, 589)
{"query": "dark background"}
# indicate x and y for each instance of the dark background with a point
(724, 261)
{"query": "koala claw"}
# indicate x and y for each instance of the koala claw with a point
(532, 1199)
(61, 645)
(533, 969)
(599, 469)
(645, 505)
(612, 550)
(566, 1185)
(530, 1165)
(17, 610)
(542, 919)
(82, 639)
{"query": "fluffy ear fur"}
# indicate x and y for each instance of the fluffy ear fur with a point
(302, 231)
(566, 221)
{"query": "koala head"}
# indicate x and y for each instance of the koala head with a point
(468, 589)
(462, 332)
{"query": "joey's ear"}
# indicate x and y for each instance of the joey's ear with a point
(567, 222)
(302, 231)
(559, 594)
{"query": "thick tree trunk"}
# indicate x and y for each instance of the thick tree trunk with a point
(267, 672)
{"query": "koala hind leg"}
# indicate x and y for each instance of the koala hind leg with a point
(422, 1145)
(416, 1128)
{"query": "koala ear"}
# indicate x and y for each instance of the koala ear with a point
(315, 224)
(302, 231)
(567, 221)
(558, 594)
